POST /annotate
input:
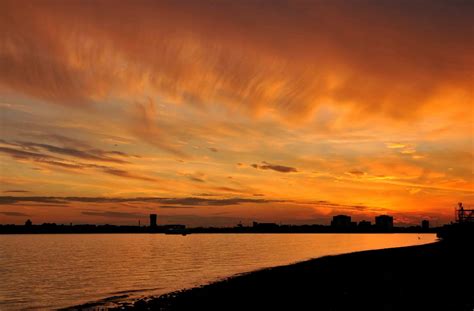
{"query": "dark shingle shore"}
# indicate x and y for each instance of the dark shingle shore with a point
(438, 276)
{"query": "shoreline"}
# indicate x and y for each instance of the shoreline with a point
(214, 233)
(421, 277)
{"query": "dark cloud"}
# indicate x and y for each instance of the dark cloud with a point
(198, 177)
(16, 191)
(92, 154)
(120, 153)
(57, 138)
(193, 201)
(14, 214)
(37, 199)
(20, 154)
(356, 173)
(42, 158)
(126, 174)
(47, 159)
(274, 167)
(74, 143)
(187, 201)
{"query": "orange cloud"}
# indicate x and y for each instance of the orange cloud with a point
(384, 58)
(145, 125)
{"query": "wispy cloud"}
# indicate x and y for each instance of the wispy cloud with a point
(145, 125)
(16, 191)
(14, 214)
(54, 161)
(93, 155)
(357, 173)
(197, 177)
(186, 201)
(275, 167)
(126, 174)
(316, 57)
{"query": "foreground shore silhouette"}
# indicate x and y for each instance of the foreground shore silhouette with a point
(435, 276)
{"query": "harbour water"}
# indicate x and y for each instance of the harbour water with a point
(54, 271)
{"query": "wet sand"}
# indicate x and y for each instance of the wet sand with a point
(437, 276)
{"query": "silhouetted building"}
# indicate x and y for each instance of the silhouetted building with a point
(341, 221)
(152, 220)
(384, 222)
(425, 224)
(365, 224)
(28, 223)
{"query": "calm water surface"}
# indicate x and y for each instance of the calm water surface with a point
(53, 271)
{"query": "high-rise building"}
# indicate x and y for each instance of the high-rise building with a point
(341, 221)
(153, 220)
(364, 224)
(384, 222)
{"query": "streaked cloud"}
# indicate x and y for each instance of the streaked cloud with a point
(275, 167)
(94, 155)
(14, 214)
(16, 191)
(53, 161)
(189, 201)
(197, 177)
(356, 173)
(294, 57)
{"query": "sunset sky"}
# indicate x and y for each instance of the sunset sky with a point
(215, 112)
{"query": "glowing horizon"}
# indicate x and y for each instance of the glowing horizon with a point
(224, 111)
